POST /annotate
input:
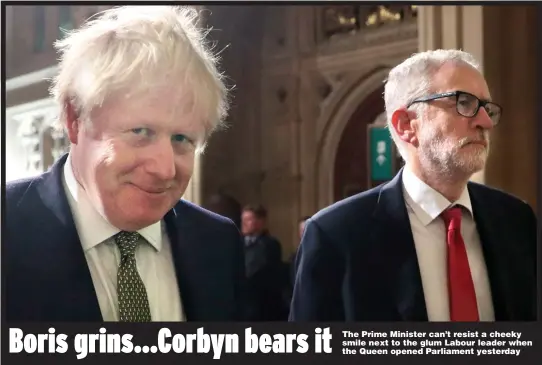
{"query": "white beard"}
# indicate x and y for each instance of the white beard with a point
(450, 158)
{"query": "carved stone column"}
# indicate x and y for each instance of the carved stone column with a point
(30, 138)
(10, 44)
(34, 140)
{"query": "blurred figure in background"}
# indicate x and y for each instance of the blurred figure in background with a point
(264, 267)
(430, 244)
(227, 206)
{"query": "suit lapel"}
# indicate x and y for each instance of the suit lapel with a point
(180, 254)
(495, 256)
(62, 258)
(394, 235)
(194, 262)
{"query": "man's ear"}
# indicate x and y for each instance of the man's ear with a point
(72, 122)
(401, 121)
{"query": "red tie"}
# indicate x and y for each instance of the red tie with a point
(462, 297)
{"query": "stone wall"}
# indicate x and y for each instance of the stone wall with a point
(296, 90)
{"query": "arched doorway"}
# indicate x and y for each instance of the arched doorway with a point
(351, 163)
(343, 105)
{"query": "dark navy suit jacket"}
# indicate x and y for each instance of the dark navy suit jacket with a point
(357, 260)
(265, 284)
(46, 276)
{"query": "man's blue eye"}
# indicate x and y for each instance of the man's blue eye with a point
(140, 131)
(180, 138)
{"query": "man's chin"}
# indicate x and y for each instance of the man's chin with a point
(138, 218)
(473, 165)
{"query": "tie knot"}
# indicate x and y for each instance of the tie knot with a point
(452, 218)
(127, 243)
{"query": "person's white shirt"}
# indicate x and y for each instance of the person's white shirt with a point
(153, 256)
(424, 206)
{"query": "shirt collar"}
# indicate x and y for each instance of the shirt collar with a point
(92, 227)
(426, 202)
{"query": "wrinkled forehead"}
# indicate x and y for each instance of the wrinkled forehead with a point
(179, 97)
(459, 77)
(166, 99)
(167, 105)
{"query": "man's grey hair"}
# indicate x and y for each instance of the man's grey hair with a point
(413, 79)
(130, 49)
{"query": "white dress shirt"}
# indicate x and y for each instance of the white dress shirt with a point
(424, 206)
(154, 259)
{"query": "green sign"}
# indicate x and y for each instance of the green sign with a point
(380, 153)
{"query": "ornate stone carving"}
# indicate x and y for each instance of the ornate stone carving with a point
(40, 137)
(54, 143)
(340, 19)
(277, 28)
(279, 97)
(61, 142)
(359, 27)
(325, 89)
(372, 37)
(29, 134)
(375, 16)
(330, 82)
(351, 19)
(282, 94)
(315, 90)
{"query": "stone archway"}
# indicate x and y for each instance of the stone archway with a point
(335, 125)
(351, 162)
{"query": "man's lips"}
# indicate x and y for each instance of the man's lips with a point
(479, 142)
(150, 190)
(482, 143)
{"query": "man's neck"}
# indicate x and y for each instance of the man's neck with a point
(450, 186)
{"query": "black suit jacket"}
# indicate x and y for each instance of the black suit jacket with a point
(357, 260)
(263, 265)
(46, 276)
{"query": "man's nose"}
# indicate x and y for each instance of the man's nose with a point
(483, 120)
(162, 162)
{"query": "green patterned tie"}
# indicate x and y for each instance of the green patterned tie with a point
(132, 296)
